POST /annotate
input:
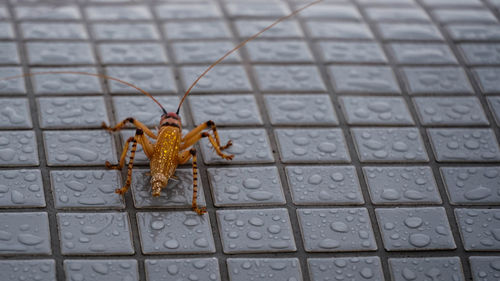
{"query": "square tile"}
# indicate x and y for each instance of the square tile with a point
(409, 32)
(450, 111)
(108, 269)
(59, 53)
(338, 30)
(8, 53)
(257, 9)
(279, 51)
(363, 79)
(487, 78)
(494, 103)
(482, 268)
(265, 269)
(224, 78)
(21, 188)
(248, 27)
(355, 268)
(472, 185)
(204, 51)
(183, 269)
(408, 229)
(422, 53)
(225, 110)
(330, 185)
(77, 148)
(336, 230)
(125, 31)
(437, 80)
(312, 146)
(289, 78)
(28, 269)
(47, 12)
(86, 189)
(6, 30)
(246, 186)
(249, 146)
(401, 185)
(356, 52)
(152, 79)
(476, 53)
(445, 16)
(62, 83)
(175, 233)
(300, 109)
(389, 144)
(144, 109)
(397, 14)
(187, 11)
(74, 112)
(459, 145)
(340, 12)
(25, 233)
(15, 113)
(95, 234)
(116, 12)
(474, 32)
(18, 148)
(447, 268)
(376, 111)
(177, 193)
(453, 3)
(54, 31)
(255, 231)
(131, 53)
(213, 29)
(479, 228)
(12, 86)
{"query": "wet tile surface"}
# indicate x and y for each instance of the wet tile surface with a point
(241, 269)
(94, 270)
(246, 186)
(21, 188)
(186, 269)
(479, 228)
(356, 268)
(388, 109)
(336, 230)
(94, 233)
(175, 232)
(404, 269)
(255, 231)
(415, 229)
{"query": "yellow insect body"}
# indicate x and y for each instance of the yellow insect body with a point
(165, 158)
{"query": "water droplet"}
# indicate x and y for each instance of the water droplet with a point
(419, 240)
(478, 193)
(171, 244)
(252, 183)
(413, 222)
(339, 226)
(201, 242)
(157, 225)
(329, 244)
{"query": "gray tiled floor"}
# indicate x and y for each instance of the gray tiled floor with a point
(365, 135)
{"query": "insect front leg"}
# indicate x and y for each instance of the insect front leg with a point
(148, 150)
(196, 134)
(183, 158)
(130, 120)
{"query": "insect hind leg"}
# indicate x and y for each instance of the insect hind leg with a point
(128, 181)
(194, 204)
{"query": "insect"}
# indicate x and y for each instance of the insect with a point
(169, 148)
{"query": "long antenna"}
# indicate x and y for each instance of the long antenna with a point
(88, 74)
(241, 45)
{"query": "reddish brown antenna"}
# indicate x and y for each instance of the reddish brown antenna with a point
(88, 74)
(241, 45)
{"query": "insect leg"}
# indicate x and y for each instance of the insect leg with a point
(130, 163)
(122, 157)
(194, 205)
(189, 142)
(122, 124)
(209, 124)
